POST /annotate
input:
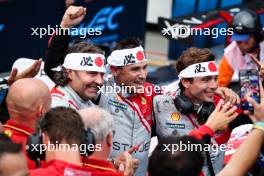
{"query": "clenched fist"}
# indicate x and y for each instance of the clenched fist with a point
(73, 16)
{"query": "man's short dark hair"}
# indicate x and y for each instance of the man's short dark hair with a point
(7, 146)
(84, 47)
(128, 43)
(63, 123)
(191, 56)
(179, 163)
(61, 77)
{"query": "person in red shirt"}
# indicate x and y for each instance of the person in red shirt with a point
(61, 132)
(27, 100)
(101, 124)
(14, 75)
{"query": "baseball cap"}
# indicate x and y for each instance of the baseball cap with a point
(240, 37)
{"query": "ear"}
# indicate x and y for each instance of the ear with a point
(114, 70)
(40, 111)
(186, 83)
(45, 138)
(70, 73)
(109, 139)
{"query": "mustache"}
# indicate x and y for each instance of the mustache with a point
(94, 85)
(140, 81)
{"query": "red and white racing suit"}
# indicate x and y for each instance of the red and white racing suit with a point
(67, 97)
(133, 122)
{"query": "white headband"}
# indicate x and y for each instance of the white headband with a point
(126, 56)
(199, 70)
(84, 62)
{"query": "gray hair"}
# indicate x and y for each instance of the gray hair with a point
(99, 120)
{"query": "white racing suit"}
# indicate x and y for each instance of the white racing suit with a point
(67, 97)
(132, 122)
(169, 121)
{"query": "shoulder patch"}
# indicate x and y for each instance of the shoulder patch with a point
(8, 133)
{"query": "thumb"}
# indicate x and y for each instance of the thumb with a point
(12, 76)
(37, 65)
(254, 59)
(132, 149)
(220, 93)
(252, 101)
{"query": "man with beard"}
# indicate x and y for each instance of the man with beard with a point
(247, 42)
(193, 110)
(79, 77)
(130, 101)
(132, 110)
(81, 74)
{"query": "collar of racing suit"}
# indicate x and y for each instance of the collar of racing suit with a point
(77, 98)
(123, 93)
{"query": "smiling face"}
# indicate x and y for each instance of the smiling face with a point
(200, 89)
(248, 45)
(85, 83)
(133, 75)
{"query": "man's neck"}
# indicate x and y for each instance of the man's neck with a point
(103, 154)
(72, 157)
(25, 121)
(193, 99)
(126, 91)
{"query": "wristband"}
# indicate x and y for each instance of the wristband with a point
(259, 125)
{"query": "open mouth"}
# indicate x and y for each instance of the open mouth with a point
(210, 94)
(93, 89)
(139, 82)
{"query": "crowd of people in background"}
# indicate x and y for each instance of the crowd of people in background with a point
(76, 128)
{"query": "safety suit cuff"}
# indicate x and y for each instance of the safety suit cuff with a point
(207, 130)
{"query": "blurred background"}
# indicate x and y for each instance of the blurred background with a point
(119, 19)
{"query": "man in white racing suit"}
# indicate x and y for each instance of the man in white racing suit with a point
(188, 112)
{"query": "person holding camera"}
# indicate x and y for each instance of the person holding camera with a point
(247, 42)
(248, 152)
